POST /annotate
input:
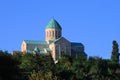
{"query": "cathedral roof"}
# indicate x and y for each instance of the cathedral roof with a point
(40, 52)
(53, 41)
(36, 49)
(76, 44)
(35, 42)
(53, 24)
(82, 53)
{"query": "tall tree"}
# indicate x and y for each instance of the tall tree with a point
(115, 52)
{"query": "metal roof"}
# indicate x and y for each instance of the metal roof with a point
(35, 42)
(36, 49)
(76, 44)
(53, 24)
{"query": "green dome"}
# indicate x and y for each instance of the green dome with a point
(53, 24)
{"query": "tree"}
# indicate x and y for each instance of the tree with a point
(81, 68)
(115, 52)
(64, 68)
(35, 62)
(8, 67)
(40, 75)
(112, 68)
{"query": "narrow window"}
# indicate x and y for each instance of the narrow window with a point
(53, 34)
(56, 34)
(49, 33)
(59, 34)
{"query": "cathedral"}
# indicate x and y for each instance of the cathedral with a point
(55, 44)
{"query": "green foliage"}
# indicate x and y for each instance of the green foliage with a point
(8, 67)
(42, 67)
(40, 75)
(64, 68)
(115, 52)
(36, 62)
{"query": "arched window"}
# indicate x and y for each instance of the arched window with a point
(49, 33)
(56, 34)
(53, 34)
(59, 34)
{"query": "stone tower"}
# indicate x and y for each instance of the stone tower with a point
(53, 30)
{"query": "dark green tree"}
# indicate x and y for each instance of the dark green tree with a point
(64, 68)
(8, 67)
(40, 75)
(113, 71)
(35, 62)
(115, 52)
(81, 68)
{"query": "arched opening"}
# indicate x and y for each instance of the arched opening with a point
(59, 34)
(49, 33)
(53, 34)
(56, 34)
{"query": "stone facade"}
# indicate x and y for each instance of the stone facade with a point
(62, 46)
(55, 44)
(52, 34)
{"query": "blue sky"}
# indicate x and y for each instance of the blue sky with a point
(95, 23)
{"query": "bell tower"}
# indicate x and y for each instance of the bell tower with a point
(53, 30)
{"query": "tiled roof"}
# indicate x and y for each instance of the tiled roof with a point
(35, 42)
(37, 49)
(78, 52)
(29, 51)
(76, 44)
(41, 51)
(48, 49)
(53, 24)
(53, 41)
(82, 53)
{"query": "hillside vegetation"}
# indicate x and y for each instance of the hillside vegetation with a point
(42, 67)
